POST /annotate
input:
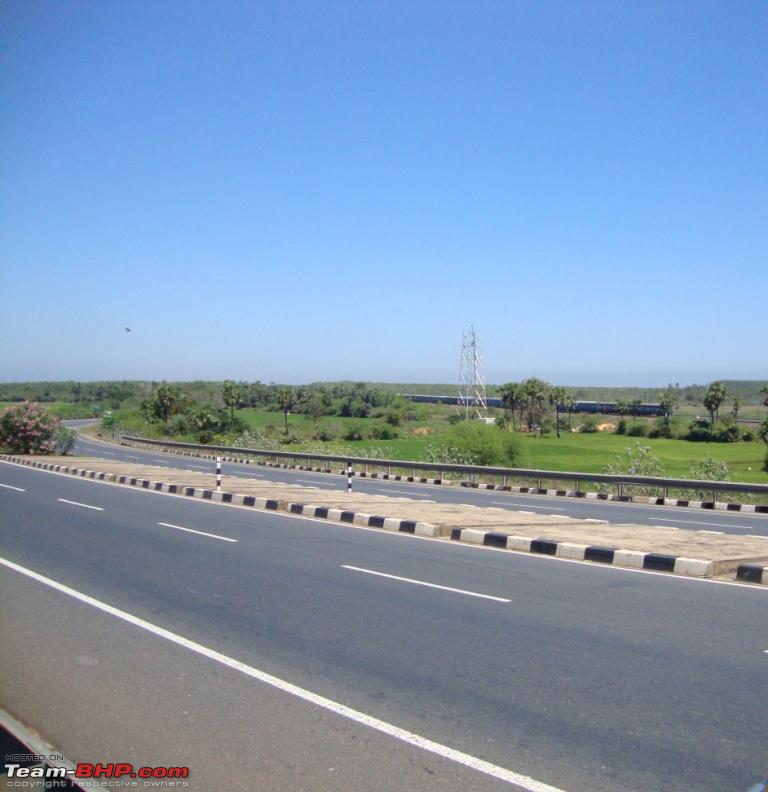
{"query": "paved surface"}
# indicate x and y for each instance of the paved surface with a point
(725, 550)
(591, 679)
(703, 520)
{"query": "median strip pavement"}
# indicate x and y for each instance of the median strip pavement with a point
(680, 551)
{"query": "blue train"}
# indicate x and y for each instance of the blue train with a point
(602, 407)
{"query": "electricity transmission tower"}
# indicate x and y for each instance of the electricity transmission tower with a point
(471, 403)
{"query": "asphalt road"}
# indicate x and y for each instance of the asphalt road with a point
(581, 677)
(691, 519)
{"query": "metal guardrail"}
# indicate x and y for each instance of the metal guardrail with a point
(663, 484)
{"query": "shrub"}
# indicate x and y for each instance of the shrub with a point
(382, 432)
(765, 462)
(27, 428)
(454, 418)
(636, 461)
(621, 426)
(709, 470)
(178, 425)
(726, 434)
(63, 440)
(699, 432)
(257, 440)
(500, 422)
(353, 433)
(636, 430)
(393, 418)
(324, 435)
(483, 444)
(109, 422)
(589, 426)
(748, 436)
(762, 432)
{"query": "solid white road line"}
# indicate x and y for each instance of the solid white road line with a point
(107, 453)
(423, 583)
(202, 533)
(527, 505)
(199, 467)
(713, 533)
(8, 486)
(84, 505)
(696, 522)
(756, 536)
(130, 456)
(315, 483)
(472, 762)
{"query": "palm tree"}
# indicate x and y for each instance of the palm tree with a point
(166, 398)
(286, 400)
(556, 397)
(535, 393)
(713, 398)
(508, 393)
(570, 406)
(231, 393)
(666, 403)
(634, 406)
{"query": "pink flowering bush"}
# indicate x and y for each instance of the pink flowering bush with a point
(28, 428)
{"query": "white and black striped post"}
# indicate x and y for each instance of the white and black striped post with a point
(218, 474)
(349, 477)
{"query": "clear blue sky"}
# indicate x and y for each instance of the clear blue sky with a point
(294, 191)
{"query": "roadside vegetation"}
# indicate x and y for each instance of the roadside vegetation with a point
(536, 428)
(28, 428)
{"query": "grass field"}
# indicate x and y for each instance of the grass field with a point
(591, 453)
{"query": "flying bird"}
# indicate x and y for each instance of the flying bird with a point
(127, 329)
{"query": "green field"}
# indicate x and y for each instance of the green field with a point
(589, 453)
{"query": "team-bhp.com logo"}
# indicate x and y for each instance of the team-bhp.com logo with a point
(87, 774)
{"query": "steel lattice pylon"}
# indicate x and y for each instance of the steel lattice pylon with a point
(471, 402)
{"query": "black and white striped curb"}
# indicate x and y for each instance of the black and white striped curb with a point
(635, 559)
(605, 496)
(361, 519)
(753, 573)
(748, 508)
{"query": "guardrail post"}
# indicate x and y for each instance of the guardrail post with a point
(503, 481)
(578, 485)
(538, 483)
(621, 489)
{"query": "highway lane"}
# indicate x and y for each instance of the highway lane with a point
(691, 519)
(589, 678)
